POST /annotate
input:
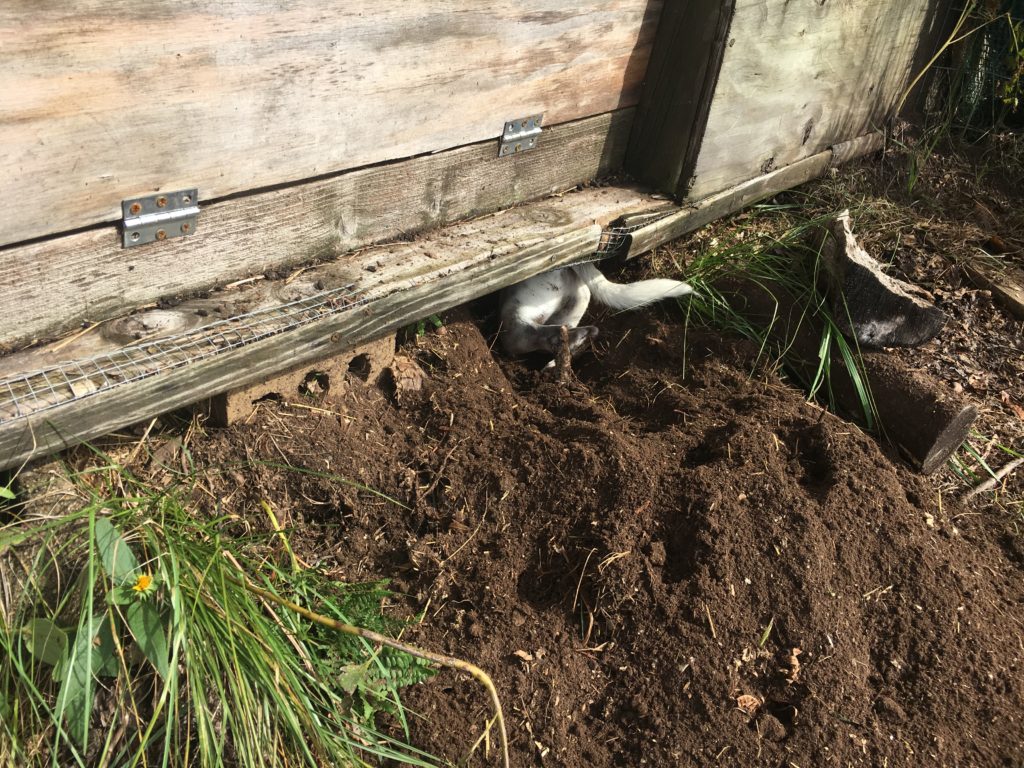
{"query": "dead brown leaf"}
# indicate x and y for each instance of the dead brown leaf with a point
(749, 704)
(791, 661)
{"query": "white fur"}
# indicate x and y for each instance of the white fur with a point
(533, 312)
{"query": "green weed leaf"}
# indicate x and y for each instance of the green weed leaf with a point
(74, 701)
(147, 628)
(353, 677)
(6, 493)
(118, 560)
(46, 640)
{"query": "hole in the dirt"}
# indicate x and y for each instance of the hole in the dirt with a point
(270, 397)
(810, 449)
(817, 466)
(314, 384)
(783, 711)
(359, 367)
(684, 548)
(712, 447)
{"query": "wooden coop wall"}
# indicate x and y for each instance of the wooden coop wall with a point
(314, 131)
(104, 101)
(766, 84)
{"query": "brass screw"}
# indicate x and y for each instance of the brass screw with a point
(161, 235)
(161, 202)
(134, 208)
(185, 227)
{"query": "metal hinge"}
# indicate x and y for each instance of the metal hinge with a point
(519, 135)
(159, 216)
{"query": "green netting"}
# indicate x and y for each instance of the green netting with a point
(979, 83)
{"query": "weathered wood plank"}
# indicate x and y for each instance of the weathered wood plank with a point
(846, 151)
(100, 101)
(395, 284)
(1004, 280)
(53, 286)
(696, 215)
(798, 77)
(681, 77)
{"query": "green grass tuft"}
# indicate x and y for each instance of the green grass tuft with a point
(126, 638)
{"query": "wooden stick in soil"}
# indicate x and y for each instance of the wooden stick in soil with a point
(993, 481)
(445, 661)
(564, 361)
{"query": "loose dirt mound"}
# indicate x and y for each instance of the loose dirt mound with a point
(670, 562)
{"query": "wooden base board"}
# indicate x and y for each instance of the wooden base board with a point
(695, 215)
(58, 285)
(401, 283)
(387, 287)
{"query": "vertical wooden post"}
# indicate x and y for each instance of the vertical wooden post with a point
(687, 56)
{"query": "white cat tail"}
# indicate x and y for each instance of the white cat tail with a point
(630, 295)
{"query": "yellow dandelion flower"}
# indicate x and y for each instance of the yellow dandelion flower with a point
(143, 583)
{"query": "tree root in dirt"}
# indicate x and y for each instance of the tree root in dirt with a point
(993, 481)
(563, 363)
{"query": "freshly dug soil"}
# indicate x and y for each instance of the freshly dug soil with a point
(672, 561)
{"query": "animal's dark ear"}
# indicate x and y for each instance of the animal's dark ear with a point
(578, 336)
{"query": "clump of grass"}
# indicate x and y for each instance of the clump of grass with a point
(130, 634)
(782, 262)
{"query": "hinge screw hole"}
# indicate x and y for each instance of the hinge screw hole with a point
(134, 237)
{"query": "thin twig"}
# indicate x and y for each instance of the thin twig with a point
(64, 342)
(445, 661)
(711, 623)
(993, 481)
(420, 495)
(580, 582)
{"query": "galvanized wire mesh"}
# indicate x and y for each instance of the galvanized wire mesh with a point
(29, 393)
(33, 392)
(616, 238)
(977, 84)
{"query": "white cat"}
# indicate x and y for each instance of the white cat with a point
(534, 311)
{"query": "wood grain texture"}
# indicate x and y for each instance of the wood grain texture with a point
(677, 94)
(696, 215)
(55, 285)
(400, 283)
(101, 100)
(800, 76)
(846, 151)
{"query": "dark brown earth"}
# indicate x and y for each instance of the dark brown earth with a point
(672, 561)
(675, 560)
